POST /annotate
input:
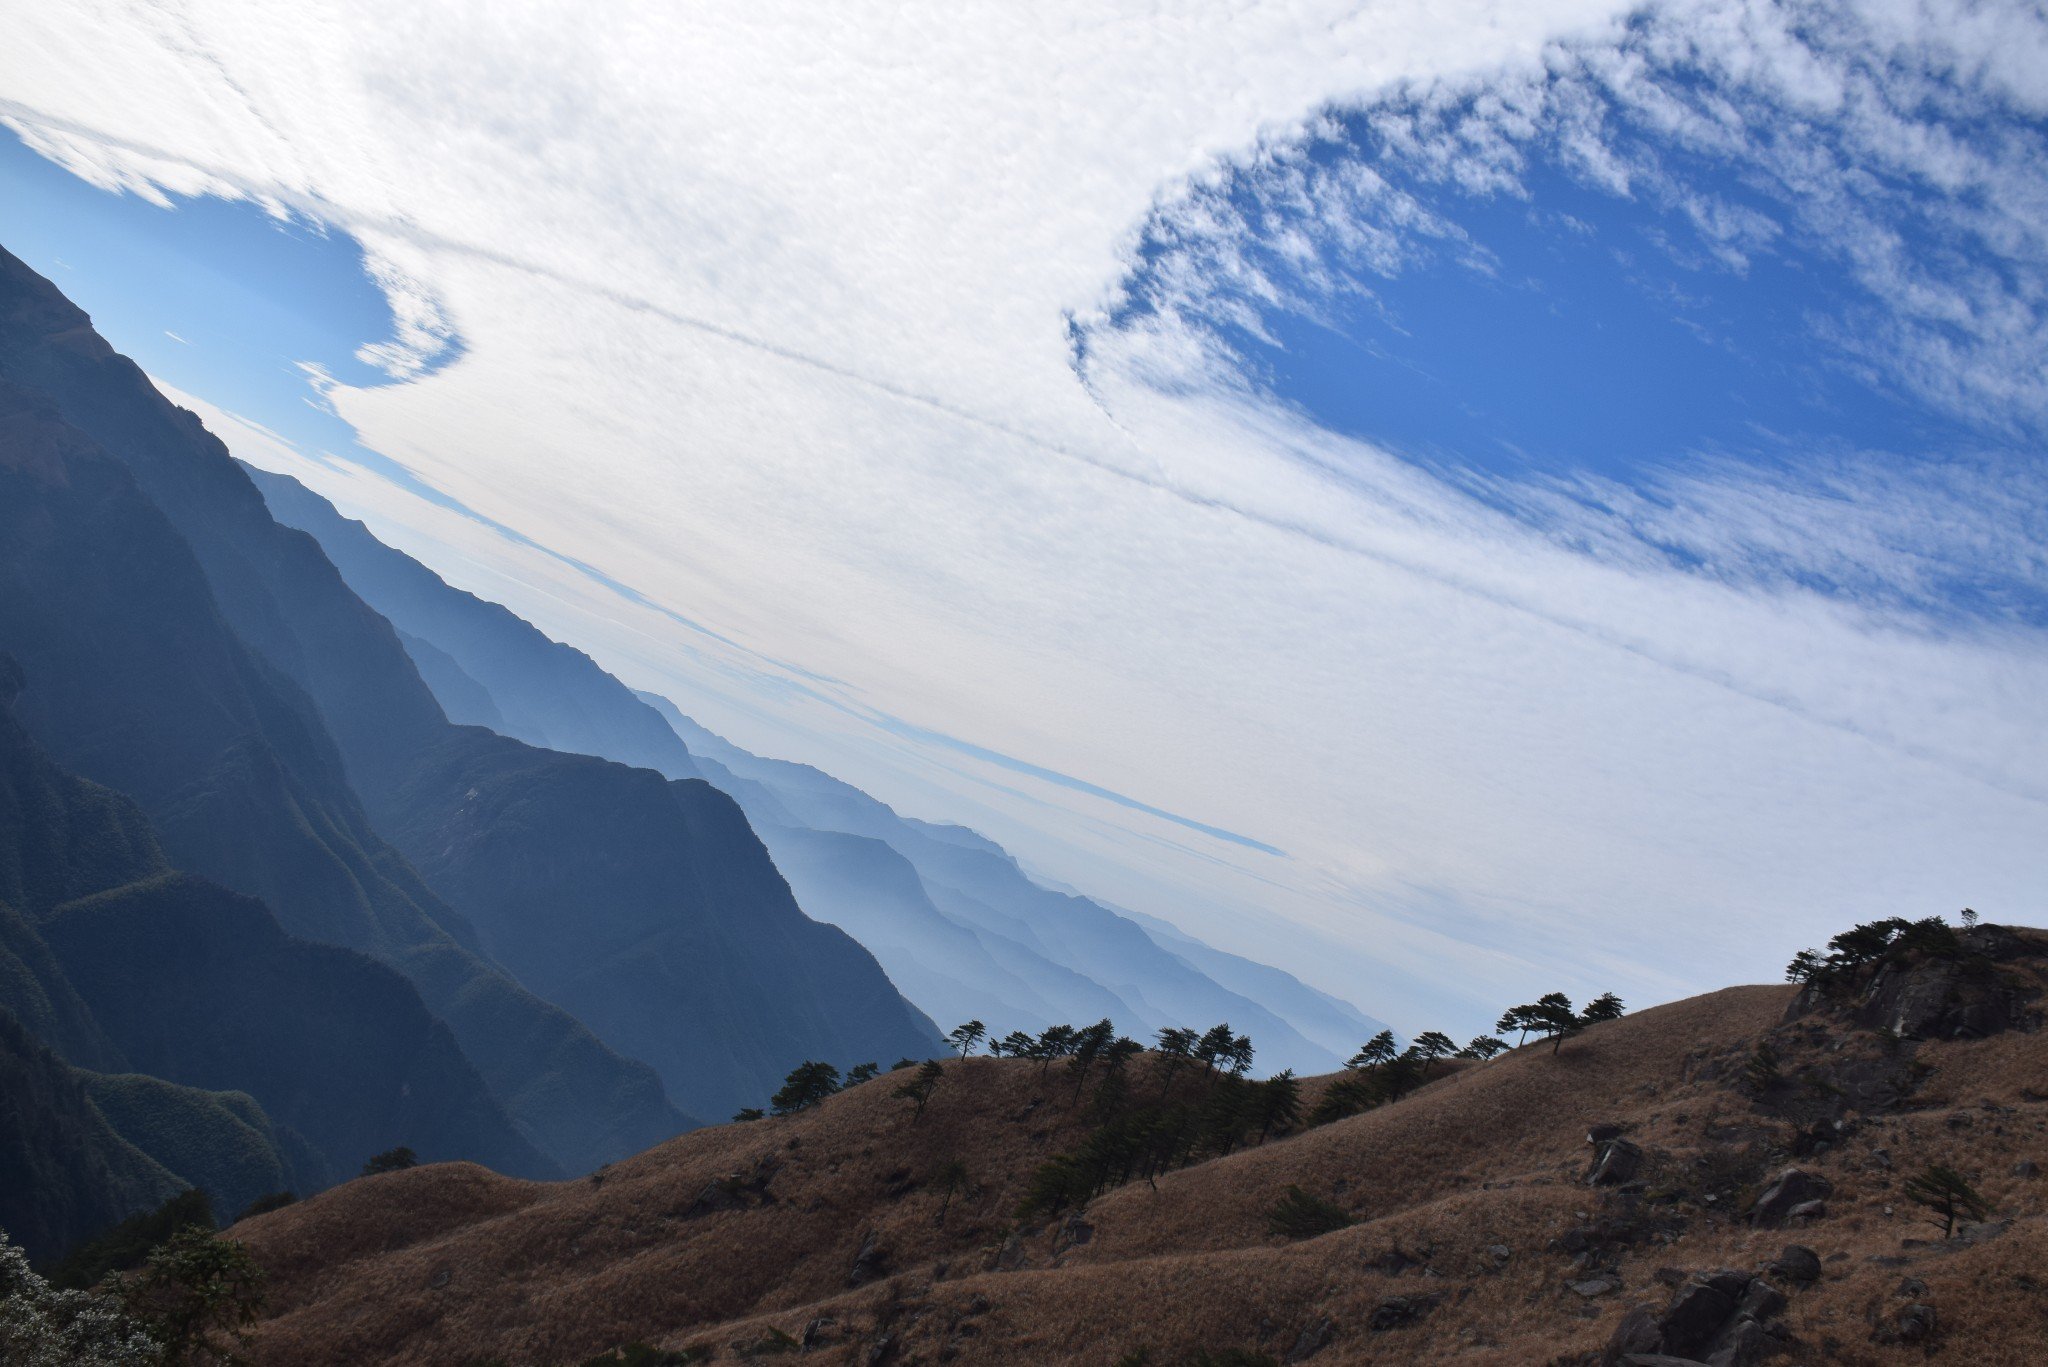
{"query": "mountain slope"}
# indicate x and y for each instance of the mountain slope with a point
(545, 693)
(68, 1173)
(724, 999)
(413, 770)
(1465, 1228)
(146, 970)
(139, 685)
(1069, 950)
(550, 692)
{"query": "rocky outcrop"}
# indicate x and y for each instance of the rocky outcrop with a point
(1615, 1161)
(1794, 1194)
(1965, 995)
(1721, 1319)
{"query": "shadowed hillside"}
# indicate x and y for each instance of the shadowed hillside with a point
(275, 730)
(1471, 1220)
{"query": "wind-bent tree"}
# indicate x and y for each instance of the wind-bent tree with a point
(862, 1072)
(1377, 1052)
(1553, 1015)
(1057, 1041)
(1238, 1058)
(1944, 1191)
(1177, 1049)
(918, 1091)
(1516, 1018)
(1016, 1044)
(807, 1084)
(1277, 1103)
(391, 1160)
(1483, 1047)
(1433, 1045)
(1605, 1007)
(746, 1113)
(950, 1177)
(1213, 1048)
(965, 1037)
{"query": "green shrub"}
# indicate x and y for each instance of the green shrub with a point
(1298, 1215)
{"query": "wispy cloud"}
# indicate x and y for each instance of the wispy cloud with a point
(760, 320)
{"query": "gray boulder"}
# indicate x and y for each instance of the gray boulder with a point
(1789, 1190)
(1797, 1263)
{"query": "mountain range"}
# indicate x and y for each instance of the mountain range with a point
(960, 927)
(306, 855)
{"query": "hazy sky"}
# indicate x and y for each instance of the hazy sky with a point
(1455, 499)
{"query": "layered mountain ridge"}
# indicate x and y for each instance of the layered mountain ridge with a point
(961, 929)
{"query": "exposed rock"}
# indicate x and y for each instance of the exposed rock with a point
(2026, 1167)
(1916, 1322)
(1745, 1343)
(1982, 1231)
(1601, 1133)
(1596, 1286)
(1807, 1211)
(1500, 1253)
(1314, 1337)
(1924, 996)
(1720, 1318)
(1009, 1257)
(1694, 1317)
(1797, 1263)
(870, 1261)
(1789, 1189)
(1761, 1301)
(1911, 1286)
(1396, 1311)
(1614, 1162)
(820, 1332)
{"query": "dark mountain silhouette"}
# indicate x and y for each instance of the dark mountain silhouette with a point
(713, 962)
(125, 966)
(960, 929)
(65, 1172)
(138, 684)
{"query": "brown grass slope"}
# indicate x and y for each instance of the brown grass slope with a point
(1474, 1221)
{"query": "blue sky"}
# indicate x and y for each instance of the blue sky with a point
(1440, 498)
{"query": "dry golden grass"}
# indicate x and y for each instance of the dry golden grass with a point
(450, 1264)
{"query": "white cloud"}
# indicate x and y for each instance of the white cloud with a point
(763, 311)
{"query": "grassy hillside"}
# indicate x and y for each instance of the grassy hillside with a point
(1473, 1234)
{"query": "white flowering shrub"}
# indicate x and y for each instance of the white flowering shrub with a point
(44, 1327)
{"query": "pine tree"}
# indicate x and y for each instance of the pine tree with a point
(1944, 1191)
(1377, 1052)
(1433, 1045)
(807, 1084)
(918, 1091)
(965, 1037)
(1605, 1007)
